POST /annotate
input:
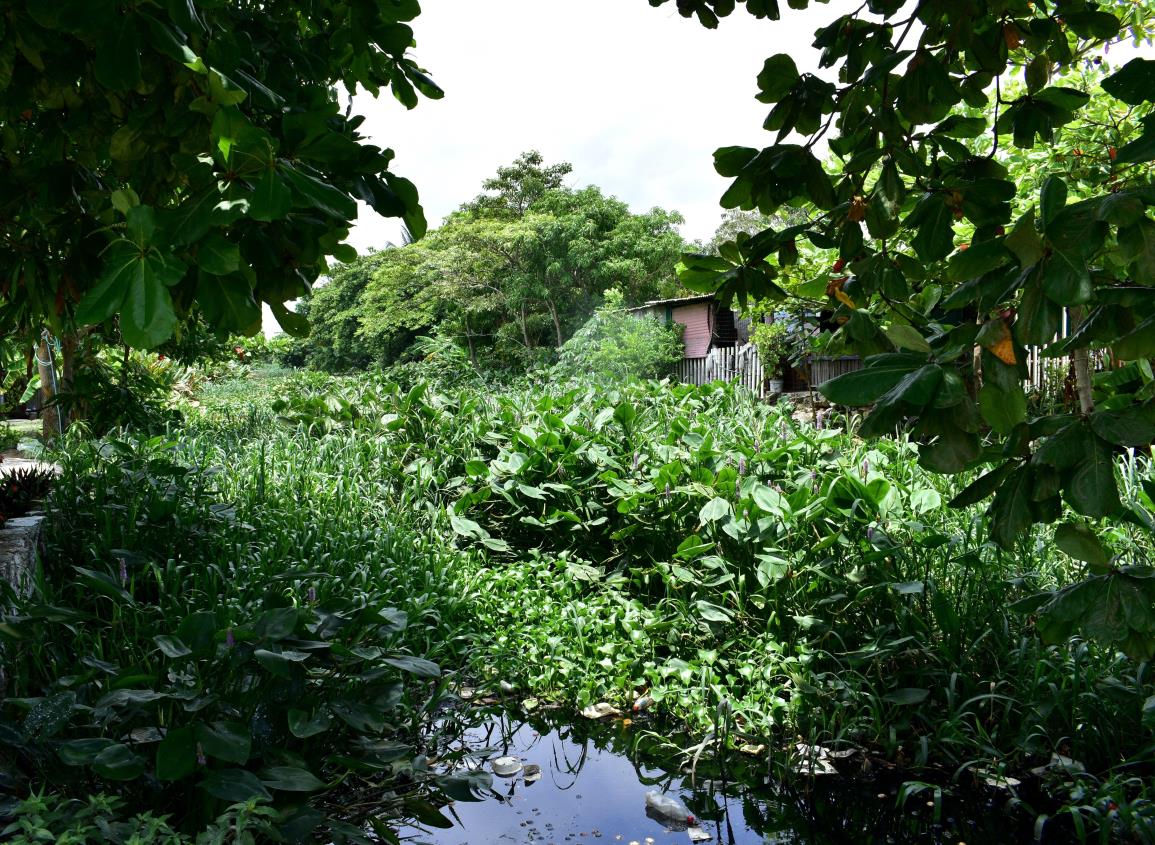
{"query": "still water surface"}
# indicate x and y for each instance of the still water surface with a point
(595, 776)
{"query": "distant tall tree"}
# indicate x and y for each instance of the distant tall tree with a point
(518, 186)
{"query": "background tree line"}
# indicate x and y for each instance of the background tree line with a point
(510, 276)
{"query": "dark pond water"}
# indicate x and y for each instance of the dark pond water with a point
(595, 776)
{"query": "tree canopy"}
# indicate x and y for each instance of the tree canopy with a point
(161, 157)
(511, 275)
(962, 240)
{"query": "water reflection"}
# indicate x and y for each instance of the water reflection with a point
(594, 778)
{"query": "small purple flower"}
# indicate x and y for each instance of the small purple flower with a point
(742, 465)
(738, 488)
(814, 481)
(201, 761)
(820, 420)
(667, 491)
(230, 640)
(758, 445)
(637, 460)
(312, 594)
(870, 534)
(865, 467)
(123, 572)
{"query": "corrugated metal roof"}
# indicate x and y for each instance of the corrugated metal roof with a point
(682, 300)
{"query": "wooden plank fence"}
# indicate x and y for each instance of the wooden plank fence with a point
(1046, 376)
(735, 363)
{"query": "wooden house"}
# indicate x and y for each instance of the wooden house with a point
(717, 346)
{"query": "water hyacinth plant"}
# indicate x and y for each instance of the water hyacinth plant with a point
(304, 576)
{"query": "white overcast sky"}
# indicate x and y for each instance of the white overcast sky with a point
(636, 98)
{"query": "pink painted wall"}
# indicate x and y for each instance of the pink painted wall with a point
(696, 318)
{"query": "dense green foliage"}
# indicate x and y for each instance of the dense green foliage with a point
(208, 627)
(277, 582)
(618, 345)
(967, 232)
(164, 154)
(510, 276)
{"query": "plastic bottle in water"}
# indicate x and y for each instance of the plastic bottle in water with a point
(667, 808)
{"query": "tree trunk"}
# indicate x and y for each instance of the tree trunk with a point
(469, 342)
(976, 381)
(1081, 360)
(524, 332)
(556, 321)
(49, 413)
(69, 349)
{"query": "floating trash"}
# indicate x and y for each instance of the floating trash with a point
(698, 835)
(506, 688)
(601, 710)
(813, 760)
(1060, 764)
(643, 703)
(531, 772)
(668, 810)
(530, 704)
(996, 779)
(752, 750)
(506, 767)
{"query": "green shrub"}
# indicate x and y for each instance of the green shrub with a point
(615, 345)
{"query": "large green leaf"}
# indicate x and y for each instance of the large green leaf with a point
(228, 303)
(316, 193)
(779, 74)
(864, 386)
(714, 510)
(1024, 240)
(107, 297)
(218, 256)
(1133, 426)
(1133, 83)
(1081, 543)
(1137, 344)
(1002, 409)
(234, 785)
(934, 221)
(148, 317)
(118, 762)
(1011, 510)
(1118, 610)
(271, 199)
(1091, 488)
(1137, 248)
(303, 726)
(176, 755)
(118, 58)
(291, 779)
(227, 741)
(976, 260)
(418, 666)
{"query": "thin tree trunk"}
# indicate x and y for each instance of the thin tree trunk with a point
(1081, 360)
(524, 332)
(69, 347)
(49, 413)
(556, 321)
(469, 342)
(976, 368)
